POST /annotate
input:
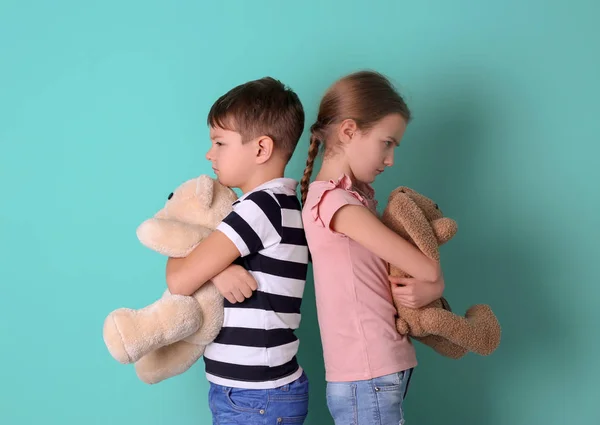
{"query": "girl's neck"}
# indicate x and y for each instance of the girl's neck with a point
(333, 169)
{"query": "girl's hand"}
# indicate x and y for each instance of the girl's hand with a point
(414, 293)
(235, 283)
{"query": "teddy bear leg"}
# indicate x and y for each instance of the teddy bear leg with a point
(168, 361)
(485, 329)
(442, 346)
(478, 331)
(130, 334)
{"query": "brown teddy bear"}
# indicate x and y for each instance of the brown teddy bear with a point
(419, 220)
(167, 337)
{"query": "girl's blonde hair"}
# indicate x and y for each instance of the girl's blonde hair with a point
(365, 97)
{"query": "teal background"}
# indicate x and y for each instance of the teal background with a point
(102, 113)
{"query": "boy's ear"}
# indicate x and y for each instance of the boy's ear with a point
(347, 130)
(264, 149)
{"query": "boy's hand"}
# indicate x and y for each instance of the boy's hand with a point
(414, 293)
(235, 283)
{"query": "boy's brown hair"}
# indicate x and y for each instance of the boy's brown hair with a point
(263, 107)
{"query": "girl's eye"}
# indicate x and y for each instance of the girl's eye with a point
(388, 143)
(218, 143)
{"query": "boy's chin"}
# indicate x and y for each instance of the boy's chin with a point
(220, 179)
(225, 182)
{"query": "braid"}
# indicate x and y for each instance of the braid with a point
(313, 151)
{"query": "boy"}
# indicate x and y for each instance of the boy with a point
(251, 366)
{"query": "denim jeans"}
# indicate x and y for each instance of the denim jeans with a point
(374, 402)
(284, 405)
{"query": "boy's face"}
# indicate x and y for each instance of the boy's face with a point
(232, 161)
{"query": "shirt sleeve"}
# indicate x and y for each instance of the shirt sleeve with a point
(330, 201)
(254, 224)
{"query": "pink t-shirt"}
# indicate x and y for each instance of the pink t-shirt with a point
(354, 302)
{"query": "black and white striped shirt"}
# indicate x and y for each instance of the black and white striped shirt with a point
(257, 347)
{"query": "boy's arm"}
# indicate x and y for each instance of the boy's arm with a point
(213, 255)
(253, 225)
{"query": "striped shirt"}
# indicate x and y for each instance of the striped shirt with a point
(257, 347)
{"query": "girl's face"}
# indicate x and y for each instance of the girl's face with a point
(371, 152)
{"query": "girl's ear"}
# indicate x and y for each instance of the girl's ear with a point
(264, 149)
(347, 130)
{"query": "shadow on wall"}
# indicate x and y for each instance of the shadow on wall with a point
(493, 258)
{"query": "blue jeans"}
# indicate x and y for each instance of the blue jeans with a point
(284, 405)
(374, 402)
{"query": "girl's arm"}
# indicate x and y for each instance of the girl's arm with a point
(361, 225)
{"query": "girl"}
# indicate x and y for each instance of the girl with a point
(368, 364)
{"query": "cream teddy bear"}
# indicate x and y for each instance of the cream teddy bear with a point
(167, 337)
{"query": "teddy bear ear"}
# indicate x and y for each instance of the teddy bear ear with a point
(205, 190)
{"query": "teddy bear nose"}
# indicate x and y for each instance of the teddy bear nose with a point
(170, 195)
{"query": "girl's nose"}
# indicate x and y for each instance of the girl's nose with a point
(389, 160)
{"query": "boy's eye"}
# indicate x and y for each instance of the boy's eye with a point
(218, 143)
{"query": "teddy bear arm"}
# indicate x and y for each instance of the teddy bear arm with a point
(210, 302)
(171, 237)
